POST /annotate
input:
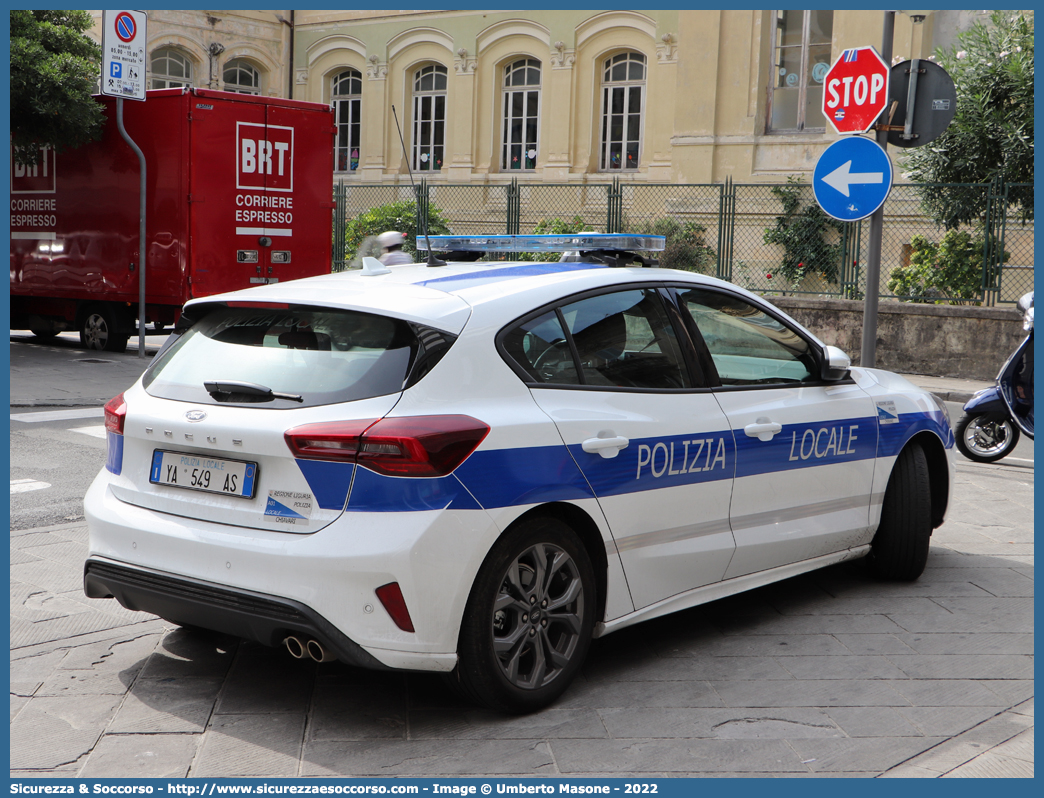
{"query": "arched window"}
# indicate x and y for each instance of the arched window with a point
(241, 77)
(429, 118)
(521, 114)
(170, 69)
(623, 100)
(346, 97)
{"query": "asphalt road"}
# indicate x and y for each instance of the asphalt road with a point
(53, 462)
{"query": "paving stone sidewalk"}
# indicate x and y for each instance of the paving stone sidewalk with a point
(829, 674)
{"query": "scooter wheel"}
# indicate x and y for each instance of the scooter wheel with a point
(986, 437)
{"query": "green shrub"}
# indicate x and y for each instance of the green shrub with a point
(950, 271)
(802, 234)
(401, 216)
(685, 247)
(554, 226)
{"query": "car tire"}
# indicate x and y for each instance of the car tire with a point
(99, 330)
(899, 550)
(529, 619)
(985, 437)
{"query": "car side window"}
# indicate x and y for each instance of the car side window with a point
(747, 345)
(541, 348)
(624, 339)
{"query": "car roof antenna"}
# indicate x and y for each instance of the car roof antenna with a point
(432, 260)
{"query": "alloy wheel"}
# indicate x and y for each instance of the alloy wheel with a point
(988, 438)
(537, 616)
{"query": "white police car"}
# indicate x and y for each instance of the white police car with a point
(477, 468)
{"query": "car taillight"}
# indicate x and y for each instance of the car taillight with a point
(409, 446)
(115, 414)
(420, 446)
(332, 440)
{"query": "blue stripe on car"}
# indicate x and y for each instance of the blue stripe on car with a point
(663, 462)
(510, 477)
(532, 475)
(495, 478)
(375, 493)
(807, 446)
(114, 453)
(894, 436)
(329, 482)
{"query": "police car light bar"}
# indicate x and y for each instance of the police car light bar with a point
(621, 242)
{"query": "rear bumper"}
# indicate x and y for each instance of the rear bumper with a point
(252, 616)
(331, 574)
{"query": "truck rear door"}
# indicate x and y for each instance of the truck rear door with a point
(261, 177)
(302, 247)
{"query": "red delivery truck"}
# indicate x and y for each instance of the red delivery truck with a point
(238, 193)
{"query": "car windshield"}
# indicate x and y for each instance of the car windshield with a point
(323, 355)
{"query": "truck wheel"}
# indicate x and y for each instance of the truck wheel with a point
(899, 549)
(529, 620)
(99, 330)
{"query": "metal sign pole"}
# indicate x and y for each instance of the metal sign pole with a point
(911, 99)
(868, 354)
(124, 72)
(141, 226)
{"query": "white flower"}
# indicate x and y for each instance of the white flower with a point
(1003, 53)
(962, 53)
(1018, 49)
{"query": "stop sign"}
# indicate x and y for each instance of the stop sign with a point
(855, 90)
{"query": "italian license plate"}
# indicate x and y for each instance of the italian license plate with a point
(208, 474)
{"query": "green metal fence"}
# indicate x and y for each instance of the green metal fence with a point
(350, 200)
(780, 242)
(770, 238)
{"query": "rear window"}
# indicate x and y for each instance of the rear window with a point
(322, 355)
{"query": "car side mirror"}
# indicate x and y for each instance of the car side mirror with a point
(835, 364)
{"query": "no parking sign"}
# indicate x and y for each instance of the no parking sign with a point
(124, 65)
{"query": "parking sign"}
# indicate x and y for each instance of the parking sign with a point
(124, 63)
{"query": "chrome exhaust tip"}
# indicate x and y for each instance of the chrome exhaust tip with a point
(317, 652)
(295, 647)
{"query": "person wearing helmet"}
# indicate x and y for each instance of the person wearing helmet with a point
(391, 245)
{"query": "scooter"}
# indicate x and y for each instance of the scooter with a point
(994, 417)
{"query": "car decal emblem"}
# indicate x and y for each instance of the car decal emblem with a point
(195, 415)
(886, 413)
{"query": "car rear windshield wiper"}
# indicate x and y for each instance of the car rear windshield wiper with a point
(221, 390)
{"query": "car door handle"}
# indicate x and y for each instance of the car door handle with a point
(608, 447)
(763, 429)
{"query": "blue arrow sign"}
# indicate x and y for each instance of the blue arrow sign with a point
(852, 178)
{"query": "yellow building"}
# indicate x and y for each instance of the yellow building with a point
(673, 96)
